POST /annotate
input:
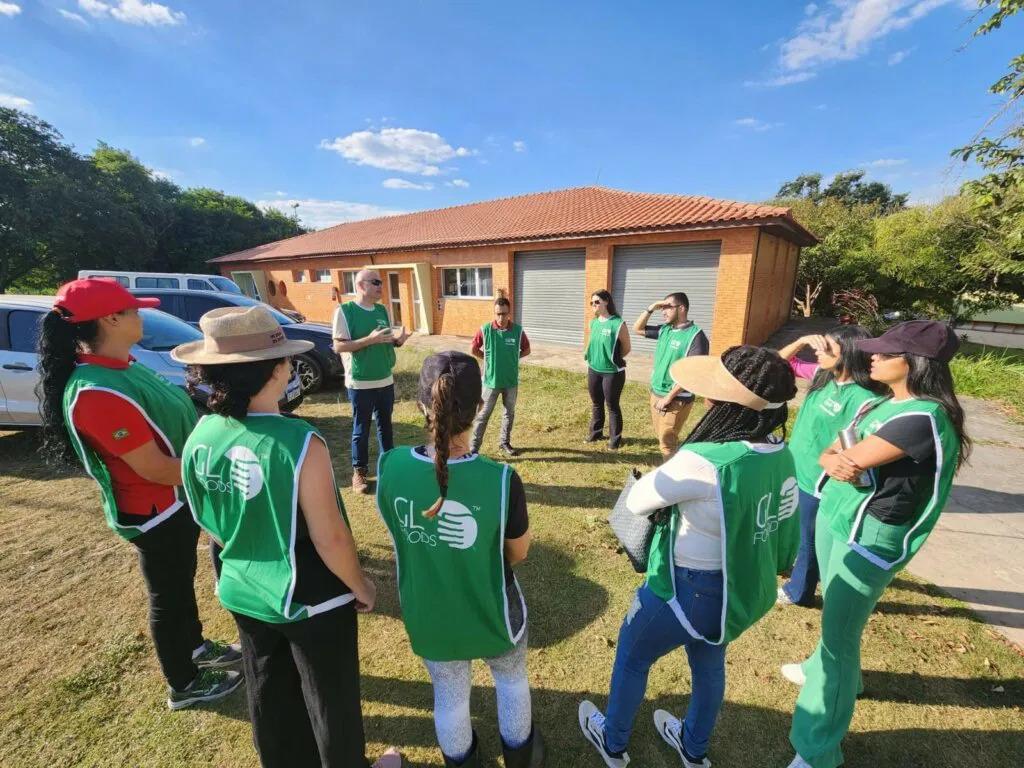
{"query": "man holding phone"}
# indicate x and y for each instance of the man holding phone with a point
(678, 337)
(364, 338)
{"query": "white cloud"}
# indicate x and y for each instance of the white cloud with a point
(196, 141)
(896, 58)
(461, 183)
(163, 175)
(755, 124)
(135, 12)
(821, 107)
(9, 9)
(11, 101)
(406, 184)
(886, 162)
(406, 150)
(846, 29)
(325, 213)
(73, 17)
(280, 193)
(781, 80)
(810, 8)
(519, 145)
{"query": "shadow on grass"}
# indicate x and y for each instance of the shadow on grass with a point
(546, 578)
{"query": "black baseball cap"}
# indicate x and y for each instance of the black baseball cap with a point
(462, 367)
(927, 338)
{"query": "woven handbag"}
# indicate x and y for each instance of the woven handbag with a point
(634, 532)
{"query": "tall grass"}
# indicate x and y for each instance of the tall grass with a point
(993, 374)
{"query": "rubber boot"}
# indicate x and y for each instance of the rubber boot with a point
(530, 755)
(472, 760)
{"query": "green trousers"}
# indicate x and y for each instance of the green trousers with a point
(851, 587)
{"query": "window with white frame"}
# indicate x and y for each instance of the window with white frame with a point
(468, 282)
(300, 276)
(322, 275)
(348, 282)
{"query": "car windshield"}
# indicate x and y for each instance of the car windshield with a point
(223, 284)
(281, 317)
(162, 332)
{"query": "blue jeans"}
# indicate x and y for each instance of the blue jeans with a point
(650, 631)
(804, 578)
(366, 404)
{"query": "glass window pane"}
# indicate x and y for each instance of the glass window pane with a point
(162, 332)
(198, 285)
(24, 327)
(451, 282)
(465, 282)
(486, 282)
(323, 275)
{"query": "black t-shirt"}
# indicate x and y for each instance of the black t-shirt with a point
(904, 484)
(314, 581)
(516, 525)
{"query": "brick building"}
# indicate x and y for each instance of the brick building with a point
(547, 252)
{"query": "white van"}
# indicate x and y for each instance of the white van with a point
(176, 280)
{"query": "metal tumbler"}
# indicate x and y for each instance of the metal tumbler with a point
(848, 439)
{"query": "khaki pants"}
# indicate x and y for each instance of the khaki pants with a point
(668, 424)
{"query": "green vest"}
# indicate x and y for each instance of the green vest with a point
(600, 355)
(501, 356)
(167, 408)
(824, 412)
(242, 482)
(673, 344)
(451, 568)
(376, 361)
(844, 506)
(760, 531)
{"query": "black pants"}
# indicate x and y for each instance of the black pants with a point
(167, 557)
(606, 388)
(302, 682)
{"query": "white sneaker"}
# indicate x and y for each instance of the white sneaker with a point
(671, 730)
(592, 725)
(794, 673)
(799, 762)
(781, 598)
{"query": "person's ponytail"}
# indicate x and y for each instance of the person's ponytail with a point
(59, 345)
(442, 405)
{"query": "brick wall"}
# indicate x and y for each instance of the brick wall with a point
(752, 298)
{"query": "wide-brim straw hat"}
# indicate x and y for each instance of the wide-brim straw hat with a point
(238, 335)
(707, 376)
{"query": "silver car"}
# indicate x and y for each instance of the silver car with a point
(20, 319)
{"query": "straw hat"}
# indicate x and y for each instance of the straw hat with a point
(238, 335)
(707, 376)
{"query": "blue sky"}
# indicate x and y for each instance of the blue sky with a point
(354, 109)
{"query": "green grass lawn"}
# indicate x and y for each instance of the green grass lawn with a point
(991, 373)
(79, 685)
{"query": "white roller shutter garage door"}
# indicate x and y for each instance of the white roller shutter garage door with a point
(549, 294)
(643, 274)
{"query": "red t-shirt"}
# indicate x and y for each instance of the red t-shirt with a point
(112, 426)
(478, 341)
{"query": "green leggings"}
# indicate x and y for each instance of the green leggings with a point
(851, 587)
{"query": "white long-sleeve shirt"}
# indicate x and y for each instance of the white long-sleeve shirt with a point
(690, 481)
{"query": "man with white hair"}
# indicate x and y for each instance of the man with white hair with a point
(366, 341)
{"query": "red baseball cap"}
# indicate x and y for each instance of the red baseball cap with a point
(94, 297)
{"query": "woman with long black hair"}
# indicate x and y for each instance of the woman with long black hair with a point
(262, 485)
(127, 427)
(840, 383)
(707, 581)
(911, 444)
(606, 368)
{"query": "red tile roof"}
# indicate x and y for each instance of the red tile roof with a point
(564, 213)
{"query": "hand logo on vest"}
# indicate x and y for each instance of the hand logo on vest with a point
(246, 475)
(456, 525)
(768, 519)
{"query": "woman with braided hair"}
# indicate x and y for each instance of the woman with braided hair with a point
(459, 523)
(726, 527)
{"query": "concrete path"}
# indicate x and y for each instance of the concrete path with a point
(975, 553)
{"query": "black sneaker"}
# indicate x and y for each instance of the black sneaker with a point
(593, 438)
(508, 451)
(209, 685)
(217, 655)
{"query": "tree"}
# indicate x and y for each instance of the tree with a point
(847, 187)
(842, 258)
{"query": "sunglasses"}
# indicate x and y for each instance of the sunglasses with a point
(375, 282)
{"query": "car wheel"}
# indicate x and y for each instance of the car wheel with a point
(310, 373)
